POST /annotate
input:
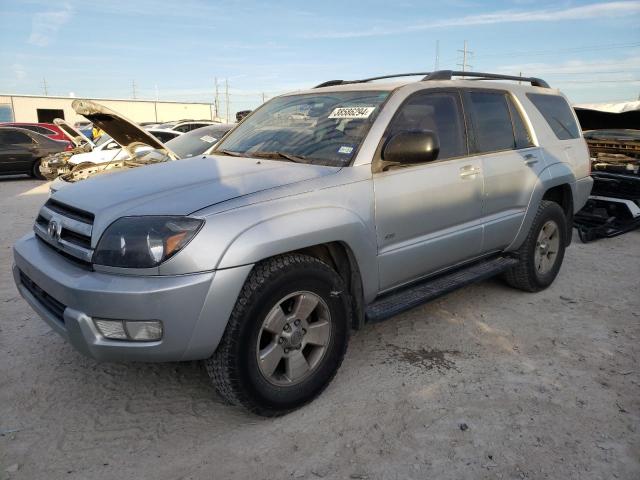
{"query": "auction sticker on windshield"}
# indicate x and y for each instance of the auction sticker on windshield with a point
(352, 112)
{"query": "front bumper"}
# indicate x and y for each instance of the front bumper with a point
(194, 309)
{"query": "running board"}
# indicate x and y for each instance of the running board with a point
(418, 293)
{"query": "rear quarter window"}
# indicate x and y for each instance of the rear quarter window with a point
(557, 112)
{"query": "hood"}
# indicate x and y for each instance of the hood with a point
(75, 136)
(182, 187)
(126, 133)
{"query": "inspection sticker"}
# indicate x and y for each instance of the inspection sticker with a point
(352, 112)
(208, 139)
(345, 150)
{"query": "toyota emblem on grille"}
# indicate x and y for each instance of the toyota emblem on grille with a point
(54, 229)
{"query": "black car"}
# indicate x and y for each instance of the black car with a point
(21, 151)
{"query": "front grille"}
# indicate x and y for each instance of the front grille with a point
(67, 229)
(53, 306)
(70, 212)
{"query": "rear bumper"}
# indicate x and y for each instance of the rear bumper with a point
(194, 309)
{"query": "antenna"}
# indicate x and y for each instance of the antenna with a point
(437, 62)
(134, 93)
(45, 88)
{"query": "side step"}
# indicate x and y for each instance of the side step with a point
(418, 293)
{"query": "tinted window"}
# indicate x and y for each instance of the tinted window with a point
(197, 141)
(557, 112)
(439, 113)
(38, 129)
(520, 130)
(490, 115)
(12, 137)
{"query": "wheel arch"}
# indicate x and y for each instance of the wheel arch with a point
(556, 183)
(334, 235)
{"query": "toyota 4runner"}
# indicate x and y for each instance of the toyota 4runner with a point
(323, 210)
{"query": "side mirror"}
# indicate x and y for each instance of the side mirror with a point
(411, 147)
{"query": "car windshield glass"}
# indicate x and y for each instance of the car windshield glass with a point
(104, 138)
(323, 128)
(196, 141)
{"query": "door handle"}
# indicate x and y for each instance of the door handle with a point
(530, 159)
(468, 171)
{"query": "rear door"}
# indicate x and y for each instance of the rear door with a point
(511, 162)
(16, 152)
(428, 216)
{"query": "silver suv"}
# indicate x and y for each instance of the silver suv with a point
(323, 210)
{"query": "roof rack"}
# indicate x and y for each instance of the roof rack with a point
(447, 74)
(444, 75)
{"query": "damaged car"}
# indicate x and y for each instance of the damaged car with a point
(139, 147)
(613, 207)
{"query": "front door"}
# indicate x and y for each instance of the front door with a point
(428, 216)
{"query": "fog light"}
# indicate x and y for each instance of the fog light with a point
(112, 329)
(144, 331)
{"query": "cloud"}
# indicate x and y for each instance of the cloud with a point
(19, 72)
(596, 10)
(45, 25)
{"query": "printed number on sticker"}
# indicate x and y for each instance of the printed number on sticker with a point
(352, 112)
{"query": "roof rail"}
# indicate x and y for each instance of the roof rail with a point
(332, 83)
(447, 74)
(443, 75)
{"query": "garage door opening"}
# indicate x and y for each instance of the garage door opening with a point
(46, 115)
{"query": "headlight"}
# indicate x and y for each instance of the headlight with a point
(144, 242)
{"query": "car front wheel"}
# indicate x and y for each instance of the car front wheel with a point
(286, 337)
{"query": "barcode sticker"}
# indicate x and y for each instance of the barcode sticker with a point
(352, 112)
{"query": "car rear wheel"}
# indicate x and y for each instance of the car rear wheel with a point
(286, 337)
(35, 170)
(542, 252)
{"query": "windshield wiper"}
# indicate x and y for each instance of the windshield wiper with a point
(279, 155)
(229, 152)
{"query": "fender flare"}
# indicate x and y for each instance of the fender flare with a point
(552, 176)
(306, 228)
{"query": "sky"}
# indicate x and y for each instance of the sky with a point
(173, 50)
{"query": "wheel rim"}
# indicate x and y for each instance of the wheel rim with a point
(293, 338)
(547, 247)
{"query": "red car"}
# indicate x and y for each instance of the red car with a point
(50, 130)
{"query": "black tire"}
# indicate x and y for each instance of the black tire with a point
(35, 170)
(234, 366)
(525, 275)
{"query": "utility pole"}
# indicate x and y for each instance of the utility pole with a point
(216, 101)
(226, 96)
(45, 88)
(262, 97)
(466, 55)
(134, 93)
(436, 66)
(157, 93)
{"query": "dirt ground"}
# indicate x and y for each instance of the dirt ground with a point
(487, 382)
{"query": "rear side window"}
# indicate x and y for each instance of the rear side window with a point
(520, 131)
(557, 112)
(14, 138)
(438, 112)
(492, 121)
(39, 129)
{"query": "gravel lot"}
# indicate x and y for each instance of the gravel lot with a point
(487, 382)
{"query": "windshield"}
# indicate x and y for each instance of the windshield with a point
(104, 138)
(196, 141)
(324, 129)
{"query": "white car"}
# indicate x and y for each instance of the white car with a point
(185, 125)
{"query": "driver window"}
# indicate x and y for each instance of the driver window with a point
(439, 112)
